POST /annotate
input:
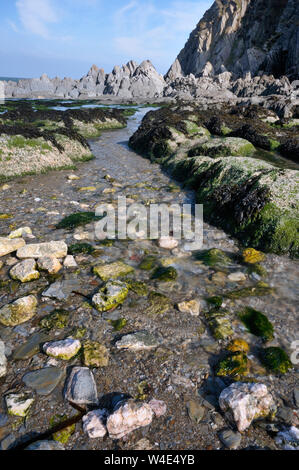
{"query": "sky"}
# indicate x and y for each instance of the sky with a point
(65, 37)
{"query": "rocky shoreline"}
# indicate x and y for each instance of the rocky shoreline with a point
(38, 140)
(241, 190)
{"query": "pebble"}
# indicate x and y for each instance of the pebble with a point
(43, 381)
(159, 407)
(57, 249)
(230, 439)
(18, 404)
(192, 307)
(25, 271)
(141, 340)
(70, 262)
(20, 232)
(30, 347)
(93, 424)
(49, 264)
(8, 246)
(45, 445)
(168, 243)
(64, 349)
(237, 277)
(246, 402)
(195, 410)
(3, 360)
(127, 418)
(81, 387)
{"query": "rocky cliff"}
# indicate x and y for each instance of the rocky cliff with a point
(241, 36)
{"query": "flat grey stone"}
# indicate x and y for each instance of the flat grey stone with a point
(296, 397)
(45, 445)
(43, 381)
(61, 290)
(30, 347)
(81, 387)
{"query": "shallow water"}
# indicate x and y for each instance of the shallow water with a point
(41, 201)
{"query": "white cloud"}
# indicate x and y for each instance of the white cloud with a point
(37, 15)
(145, 30)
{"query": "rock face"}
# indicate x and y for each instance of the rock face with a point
(237, 36)
(244, 402)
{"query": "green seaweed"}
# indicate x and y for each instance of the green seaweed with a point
(77, 219)
(56, 320)
(260, 289)
(257, 323)
(276, 360)
(165, 274)
(79, 248)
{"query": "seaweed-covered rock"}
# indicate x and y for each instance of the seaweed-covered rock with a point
(245, 402)
(113, 270)
(213, 258)
(158, 304)
(219, 323)
(260, 289)
(248, 197)
(257, 323)
(252, 256)
(222, 147)
(56, 320)
(276, 360)
(148, 263)
(76, 220)
(235, 366)
(165, 274)
(95, 354)
(110, 296)
(19, 311)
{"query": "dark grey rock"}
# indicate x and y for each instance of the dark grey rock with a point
(43, 381)
(296, 397)
(30, 347)
(3, 420)
(81, 387)
(45, 445)
(8, 442)
(230, 439)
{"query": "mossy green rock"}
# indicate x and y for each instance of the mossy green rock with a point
(110, 296)
(56, 320)
(235, 366)
(257, 323)
(138, 287)
(213, 257)
(276, 360)
(19, 311)
(260, 289)
(64, 435)
(165, 274)
(95, 354)
(222, 147)
(216, 301)
(219, 324)
(81, 248)
(158, 304)
(113, 270)
(148, 263)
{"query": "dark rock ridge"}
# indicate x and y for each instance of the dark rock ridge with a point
(241, 36)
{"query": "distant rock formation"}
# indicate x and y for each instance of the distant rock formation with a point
(241, 36)
(129, 81)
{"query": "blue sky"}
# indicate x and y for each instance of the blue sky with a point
(65, 37)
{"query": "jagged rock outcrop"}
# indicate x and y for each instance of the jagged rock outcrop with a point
(129, 81)
(240, 36)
